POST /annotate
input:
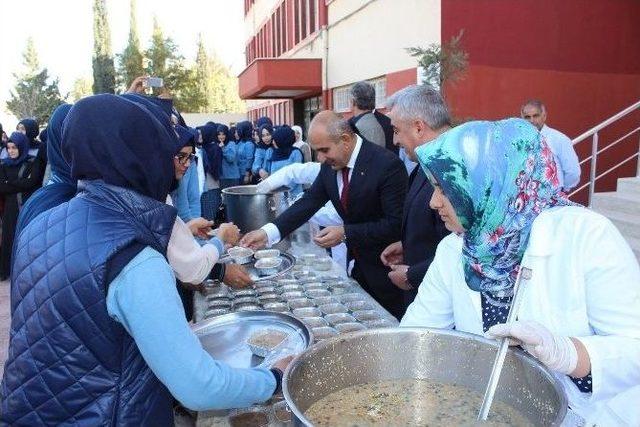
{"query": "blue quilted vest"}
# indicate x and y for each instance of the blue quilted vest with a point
(69, 362)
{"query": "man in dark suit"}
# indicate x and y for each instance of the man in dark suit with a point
(418, 115)
(367, 185)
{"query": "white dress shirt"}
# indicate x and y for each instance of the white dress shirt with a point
(273, 234)
(565, 157)
(585, 284)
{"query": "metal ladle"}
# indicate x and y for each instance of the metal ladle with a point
(498, 363)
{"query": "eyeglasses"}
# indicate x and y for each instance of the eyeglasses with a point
(184, 158)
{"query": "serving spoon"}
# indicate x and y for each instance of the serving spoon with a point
(523, 274)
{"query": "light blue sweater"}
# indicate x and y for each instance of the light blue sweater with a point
(230, 161)
(272, 166)
(143, 298)
(186, 198)
(259, 157)
(245, 156)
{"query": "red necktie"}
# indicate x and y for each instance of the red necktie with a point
(344, 195)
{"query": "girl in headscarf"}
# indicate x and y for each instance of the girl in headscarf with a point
(15, 188)
(37, 150)
(497, 189)
(258, 170)
(60, 186)
(230, 174)
(213, 164)
(282, 154)
(301, 145)
(246, 150)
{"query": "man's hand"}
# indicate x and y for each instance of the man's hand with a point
(138, 85)
(392, 254)
(257, 239)
(200, 227)
(330, 236)
(398, 276)
(263, 174)
(247, 178)
(229, 233)
(236, 276)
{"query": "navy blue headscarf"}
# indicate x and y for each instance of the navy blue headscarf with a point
(232, 133)
(269, 129)
(225, 130)
(111, 138)
(212, 161)
(22, 143)
(284, 138)
(60, 169)
(264, 120)
(187, 137)
(62, 187)
(33, 129)
(245, 131)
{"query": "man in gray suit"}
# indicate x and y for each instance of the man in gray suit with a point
(368, 123)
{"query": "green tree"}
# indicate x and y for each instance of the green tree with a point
(168, 63)
(104, 74)
(130, 60)
(442, 63)
(33, 95)
(82, 87)
(215, 83)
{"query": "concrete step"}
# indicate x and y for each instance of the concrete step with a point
(622, 202)
(629, 187)
(627, 223)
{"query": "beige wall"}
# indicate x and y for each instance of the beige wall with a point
(362, 46)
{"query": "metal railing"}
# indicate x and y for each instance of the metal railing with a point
(593, 132)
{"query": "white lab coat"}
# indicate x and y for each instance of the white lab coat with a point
(585, 284)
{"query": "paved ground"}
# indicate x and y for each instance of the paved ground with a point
(5, 321)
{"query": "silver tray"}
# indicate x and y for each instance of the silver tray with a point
(225, 337)
(288, 261)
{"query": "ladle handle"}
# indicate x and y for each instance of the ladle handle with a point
(498, 363)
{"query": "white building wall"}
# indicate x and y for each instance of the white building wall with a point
(362, 46)
(257, 16)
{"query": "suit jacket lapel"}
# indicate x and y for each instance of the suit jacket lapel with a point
(359, 174)
(332, 190)
(416, 182)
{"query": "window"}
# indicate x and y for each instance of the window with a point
(342, 99)
(342, 95)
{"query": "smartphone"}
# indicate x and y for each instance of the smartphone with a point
(155, 82)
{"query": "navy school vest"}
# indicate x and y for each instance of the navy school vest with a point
(69, 363)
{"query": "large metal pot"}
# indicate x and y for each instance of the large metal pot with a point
(250, 210)
(441, 355)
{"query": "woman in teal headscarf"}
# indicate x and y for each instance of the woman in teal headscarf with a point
(496, 188)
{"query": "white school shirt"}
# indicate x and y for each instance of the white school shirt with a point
(585, 284)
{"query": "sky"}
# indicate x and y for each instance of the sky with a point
(62, 31)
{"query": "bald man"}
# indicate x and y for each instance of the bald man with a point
(367, 185)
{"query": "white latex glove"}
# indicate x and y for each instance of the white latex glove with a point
(557, 353)
(264, 186)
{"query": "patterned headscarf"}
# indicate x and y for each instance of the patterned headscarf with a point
(498, 177)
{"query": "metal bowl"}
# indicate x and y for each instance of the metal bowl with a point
(444, 356)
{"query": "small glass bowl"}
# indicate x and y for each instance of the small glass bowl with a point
(377, 324)
(266, 290)
(337, 318)
(345, 328)
(317, 293)
(290, 288)
(255, 416)
(213, 312)
(300, 303)
(323, 264)
(315, 322)
(351, 297)
(244, 293)
(247, 307)
(366, 315)
(292, 295)
(314, 285)
(307, 312)
(280, 307)
(325, 300)
(333, 308)
(282, 412)
(245, 300)
(306, 259)
(323, 332)
(218, 303)
(359, 305)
